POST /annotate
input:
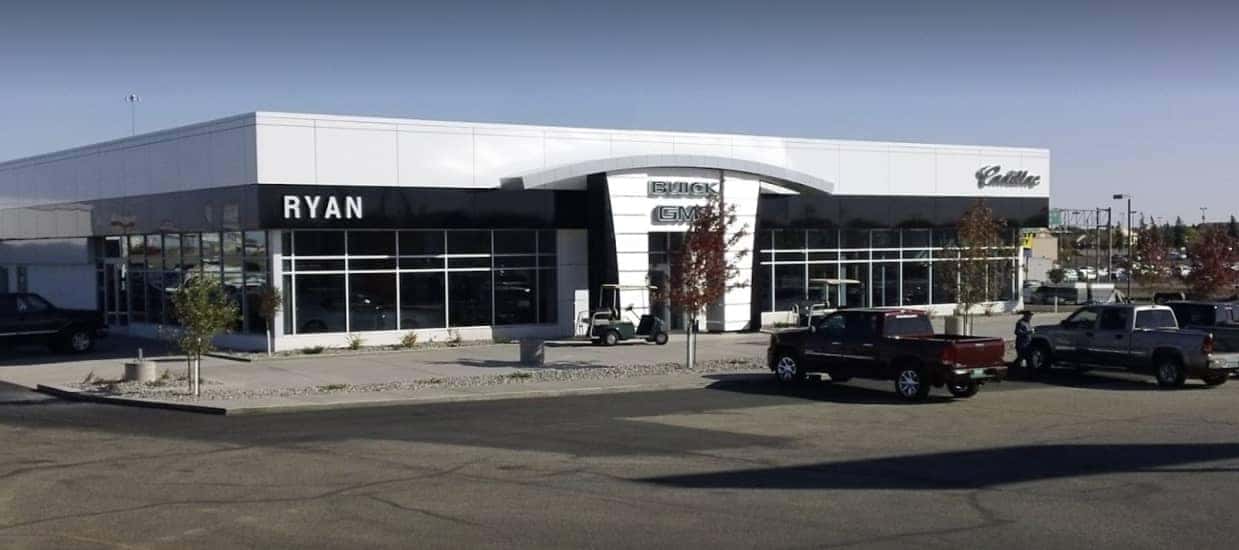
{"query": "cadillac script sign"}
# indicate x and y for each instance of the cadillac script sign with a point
(992, 176)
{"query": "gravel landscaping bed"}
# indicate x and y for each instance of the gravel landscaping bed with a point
(173, 388)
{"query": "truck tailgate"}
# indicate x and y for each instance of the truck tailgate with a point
(978, 352)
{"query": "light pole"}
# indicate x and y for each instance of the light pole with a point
(1131, 256)
(133, 100)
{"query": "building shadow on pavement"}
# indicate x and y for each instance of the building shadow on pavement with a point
(970, 469)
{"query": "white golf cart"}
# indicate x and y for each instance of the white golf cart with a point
(609, 324)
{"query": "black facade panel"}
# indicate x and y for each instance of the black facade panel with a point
(811, 211)
(600, 236)
(430, 208)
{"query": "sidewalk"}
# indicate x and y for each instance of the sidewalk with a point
(442, 374)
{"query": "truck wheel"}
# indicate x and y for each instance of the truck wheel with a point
(1169, 372)
(964, 390)
(911, 384)
(1216, 380)
(660, 338)
(787, 369)
(1039, 359)
(610, 338)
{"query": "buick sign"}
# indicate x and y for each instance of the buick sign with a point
(682, 188)
(992, 176)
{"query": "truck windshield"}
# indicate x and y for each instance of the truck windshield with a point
(908, 325)
(1155, 318)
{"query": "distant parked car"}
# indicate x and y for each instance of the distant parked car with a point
(27, 317)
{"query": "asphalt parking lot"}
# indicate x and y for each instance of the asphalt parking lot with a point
(1070, 461)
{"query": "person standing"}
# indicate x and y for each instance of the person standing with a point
(1023, 340)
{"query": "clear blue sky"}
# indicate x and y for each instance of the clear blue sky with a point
(1133, 96)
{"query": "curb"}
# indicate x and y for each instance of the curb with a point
(73, 395)
(698, 383)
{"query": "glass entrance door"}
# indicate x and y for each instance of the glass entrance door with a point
(115, 294)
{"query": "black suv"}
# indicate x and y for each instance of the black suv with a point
(27, 318)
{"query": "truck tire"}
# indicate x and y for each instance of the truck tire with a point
(787, 368)
(1040, 358)
(964, 390)
(1216, 380)
(610, 338)
(911, 383)
(1169, 371)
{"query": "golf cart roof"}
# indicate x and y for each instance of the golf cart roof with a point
(833, 282)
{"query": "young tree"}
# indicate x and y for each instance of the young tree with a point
(1232, 229)
(1150, 262)
(1180, 233)
(705, 271)
(1212, 255)
(204, 311)
(269, 303)
(980, 233)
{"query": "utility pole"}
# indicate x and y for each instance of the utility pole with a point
(1110, 244)
(1203, 209)
(133, 100)
(1131, 253)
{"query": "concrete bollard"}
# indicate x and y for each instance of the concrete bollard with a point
(533, 352)
(140, 371)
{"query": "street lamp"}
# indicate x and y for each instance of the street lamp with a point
(1131, 262)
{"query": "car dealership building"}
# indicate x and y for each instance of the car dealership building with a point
(378, 226)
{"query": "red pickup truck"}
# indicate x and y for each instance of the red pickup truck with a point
(883, 344)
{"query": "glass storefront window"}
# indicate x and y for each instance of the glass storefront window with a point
(885, 284)
(823, 238)
(469, 298)
(191, 251)
(916, 284)
(421, 243)
(256, 244)
(320, 303)
(231, 245)
(468, 242)
(789, 286)
(210, 248)
(789, 239)
(422, 300)
(372, 301)
(371, 243)
(857, 294)
(318, 243)
(516, 242)
(854, 238)
(255, 281)
(154, 252)
(944, 287)
(516, 296)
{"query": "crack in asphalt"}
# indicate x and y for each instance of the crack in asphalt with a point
(217, 502)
